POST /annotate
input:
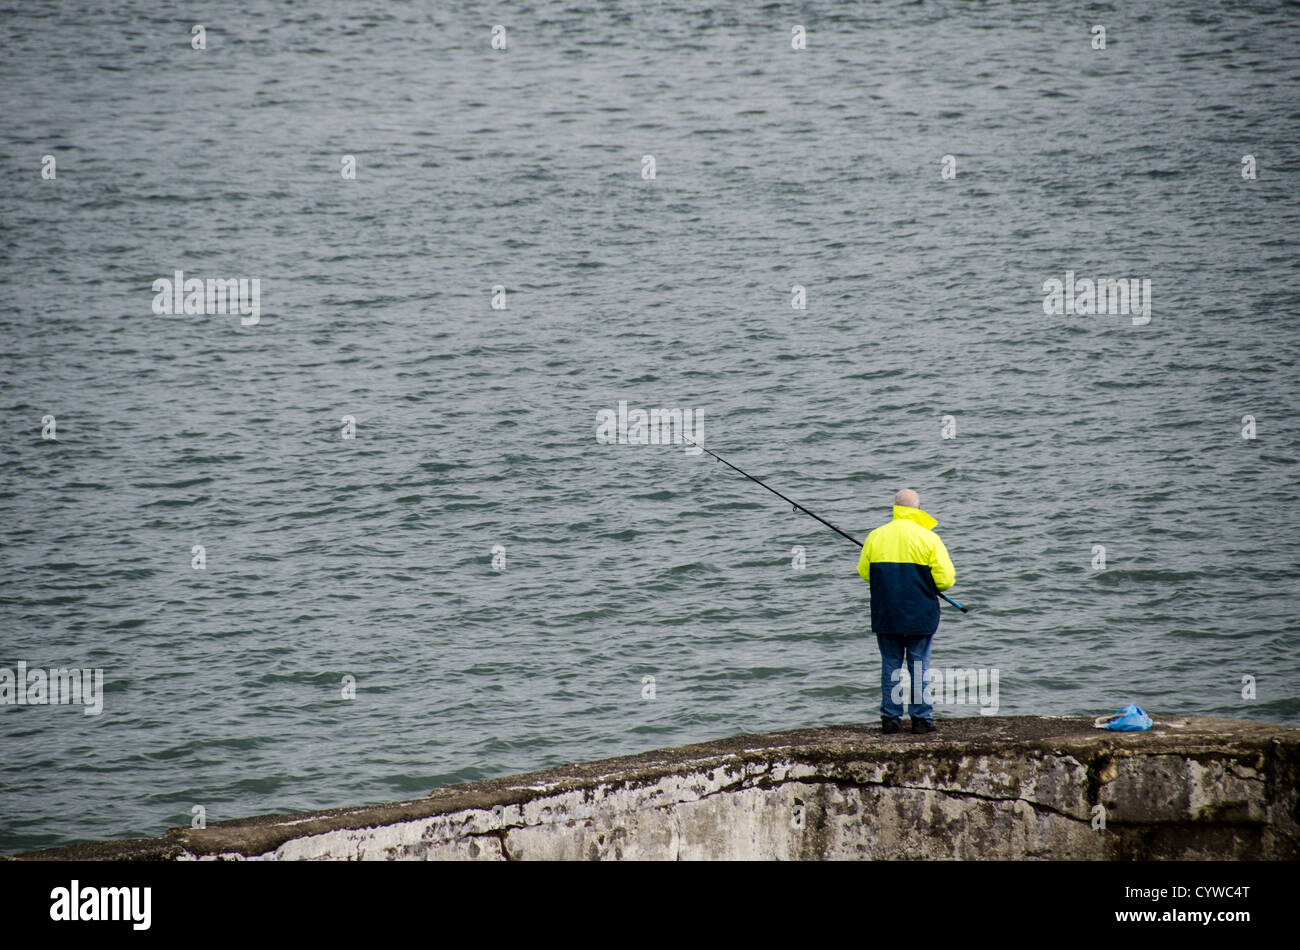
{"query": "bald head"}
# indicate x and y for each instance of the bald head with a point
(908, 498)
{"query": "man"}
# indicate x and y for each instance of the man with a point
(905, 562)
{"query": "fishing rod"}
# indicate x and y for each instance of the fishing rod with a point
(799, 507)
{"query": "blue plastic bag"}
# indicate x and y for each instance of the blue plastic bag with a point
(1129, 719)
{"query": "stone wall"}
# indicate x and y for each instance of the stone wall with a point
(980, 788)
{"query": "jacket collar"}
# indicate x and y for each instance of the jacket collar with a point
(914, 514)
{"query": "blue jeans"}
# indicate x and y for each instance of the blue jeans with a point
(893, 651)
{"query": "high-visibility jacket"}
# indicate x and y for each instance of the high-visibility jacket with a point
(905, 562)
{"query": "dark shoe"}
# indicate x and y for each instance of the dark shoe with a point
(888, 726)
(922, 725)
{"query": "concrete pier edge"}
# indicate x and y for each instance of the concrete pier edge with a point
(1193, 787)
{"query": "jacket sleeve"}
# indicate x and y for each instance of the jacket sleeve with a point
(941, 569)
(864, 561)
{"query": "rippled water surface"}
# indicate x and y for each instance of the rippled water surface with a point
(475, 427)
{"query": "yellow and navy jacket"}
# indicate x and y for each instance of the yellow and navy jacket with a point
(906, 564)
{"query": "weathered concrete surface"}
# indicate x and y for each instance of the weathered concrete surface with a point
(981, 788)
